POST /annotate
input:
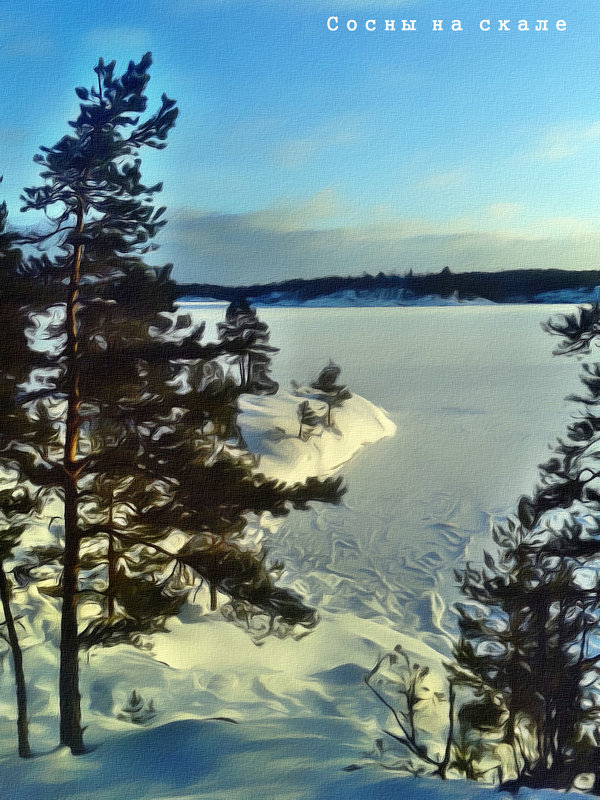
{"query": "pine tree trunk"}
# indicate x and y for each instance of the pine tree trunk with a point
(71, 733)
(213, 597)
(111, 564)
(445, 763)
(17, 656)
(249, 370)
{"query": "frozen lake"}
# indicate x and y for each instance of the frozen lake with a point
(477, 397)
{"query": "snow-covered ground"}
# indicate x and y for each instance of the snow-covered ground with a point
(475, 396)
(270, 429)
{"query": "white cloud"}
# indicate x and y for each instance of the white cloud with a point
(118, 37)
(293, 215)
(565, 141)
(592, 131)
(298, 152)
(503, 211)
(285, 241)
(443, 180)
(336, 132)
(567, 226)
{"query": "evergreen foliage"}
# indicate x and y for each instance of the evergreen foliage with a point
(307, 417)
(530, 624)
(18, 497)
(527, 662)
(103, 222)
(16, 505)
(505, 286)
(125, 414)
(403, 686)
(247, 339)
(137, 710)
(325, 391)
(328, 390)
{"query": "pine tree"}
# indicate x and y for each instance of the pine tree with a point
(328, 391)
(17, 495)
(325, 389)
(523, 638)
(147, 457)
(528, 634)
(103, 223)
(247, 339)
(15, 506)
(307, 417)
(214, 491)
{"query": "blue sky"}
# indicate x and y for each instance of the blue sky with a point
(301, 151)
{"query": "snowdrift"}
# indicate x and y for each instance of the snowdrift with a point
(270, 429)
(281, 718)
(289, 720)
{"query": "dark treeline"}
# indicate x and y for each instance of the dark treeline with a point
(510, 286)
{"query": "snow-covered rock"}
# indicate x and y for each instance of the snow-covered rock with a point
(270, 428)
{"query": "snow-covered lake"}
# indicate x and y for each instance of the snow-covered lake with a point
(476, 396)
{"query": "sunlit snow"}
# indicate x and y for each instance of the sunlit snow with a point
(452, 410)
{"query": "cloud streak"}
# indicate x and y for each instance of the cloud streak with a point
(109, 38)
(567, 141)
(443, 180)
(234, 249)
(337, 132)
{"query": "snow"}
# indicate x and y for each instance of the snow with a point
(471, 398)
(350, 298)
(270, 429)
(284, 724)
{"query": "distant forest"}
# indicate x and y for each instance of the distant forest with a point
(510, 286)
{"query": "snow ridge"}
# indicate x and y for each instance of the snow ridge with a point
(270, 429)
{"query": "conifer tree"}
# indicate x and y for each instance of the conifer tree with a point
(524, 637)
(307, 417)
(529, 630)
(325, 389)
(328, 391)
(17, 494)
(248, 341)
(16, 503)
(103, 222)
(146, 456)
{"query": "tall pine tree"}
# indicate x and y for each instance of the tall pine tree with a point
(103, 221)
(134, 420)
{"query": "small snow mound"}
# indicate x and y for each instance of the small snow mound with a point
(270, 429)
